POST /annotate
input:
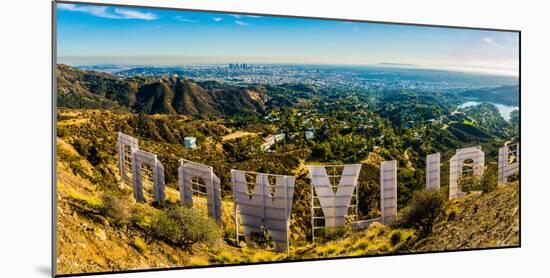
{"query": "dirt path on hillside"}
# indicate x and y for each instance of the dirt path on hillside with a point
(237, 134)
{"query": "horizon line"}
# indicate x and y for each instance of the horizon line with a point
(246, 60)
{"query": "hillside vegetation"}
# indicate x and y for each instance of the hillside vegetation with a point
(101, 228)
(90, 240)
(96, 235)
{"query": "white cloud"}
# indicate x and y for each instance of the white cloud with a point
(105, 12)
(241, 16)
(127, 13)
(183, 19)
(217, 19)
(242, 23)
(491, 41)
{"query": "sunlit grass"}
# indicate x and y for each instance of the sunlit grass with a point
(198, 261)
(377, 239)
(90, 201)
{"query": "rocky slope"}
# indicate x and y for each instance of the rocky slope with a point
(478, 221)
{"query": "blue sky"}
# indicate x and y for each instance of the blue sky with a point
(101, 34)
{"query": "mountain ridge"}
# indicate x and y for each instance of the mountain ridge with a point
(165, 95)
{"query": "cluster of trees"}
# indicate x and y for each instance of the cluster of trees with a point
(487, 117)
(172, 223)
(341, 148)
(405, 109)
(242, 148)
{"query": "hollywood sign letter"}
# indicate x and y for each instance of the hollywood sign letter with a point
(388, 191)
(456, 168)
(267, 207)
(432, 171)
(388, 196)
(127, 145)
(334, 205)
(508, 162)
(200, 180)
(139, 160)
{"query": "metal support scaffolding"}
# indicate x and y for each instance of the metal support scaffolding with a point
(433, 178)
(126, 146)
(266, 208)
(139, 160)
(334, 195)
(388, 191)
(190, 175)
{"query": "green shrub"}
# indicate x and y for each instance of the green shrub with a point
(243, 148)
(329, 234)
(360, 244)
(139, 244)
(489, 180)
(451, 216)
(395, 237)
(375, 230)
(322, 151)
(184, 227)
(90, 150)
(141, 216)
(229, 236)
(485, 183)
(262, 239)
(470, 183)
(422, 211)
(62, 132)
(117, 208)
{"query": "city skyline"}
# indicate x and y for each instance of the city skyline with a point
(94, 34)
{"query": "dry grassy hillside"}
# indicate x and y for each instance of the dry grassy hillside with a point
(96, 235)
(90, 241)
(477, 221)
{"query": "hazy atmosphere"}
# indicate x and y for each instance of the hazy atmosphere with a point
(101, 34)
